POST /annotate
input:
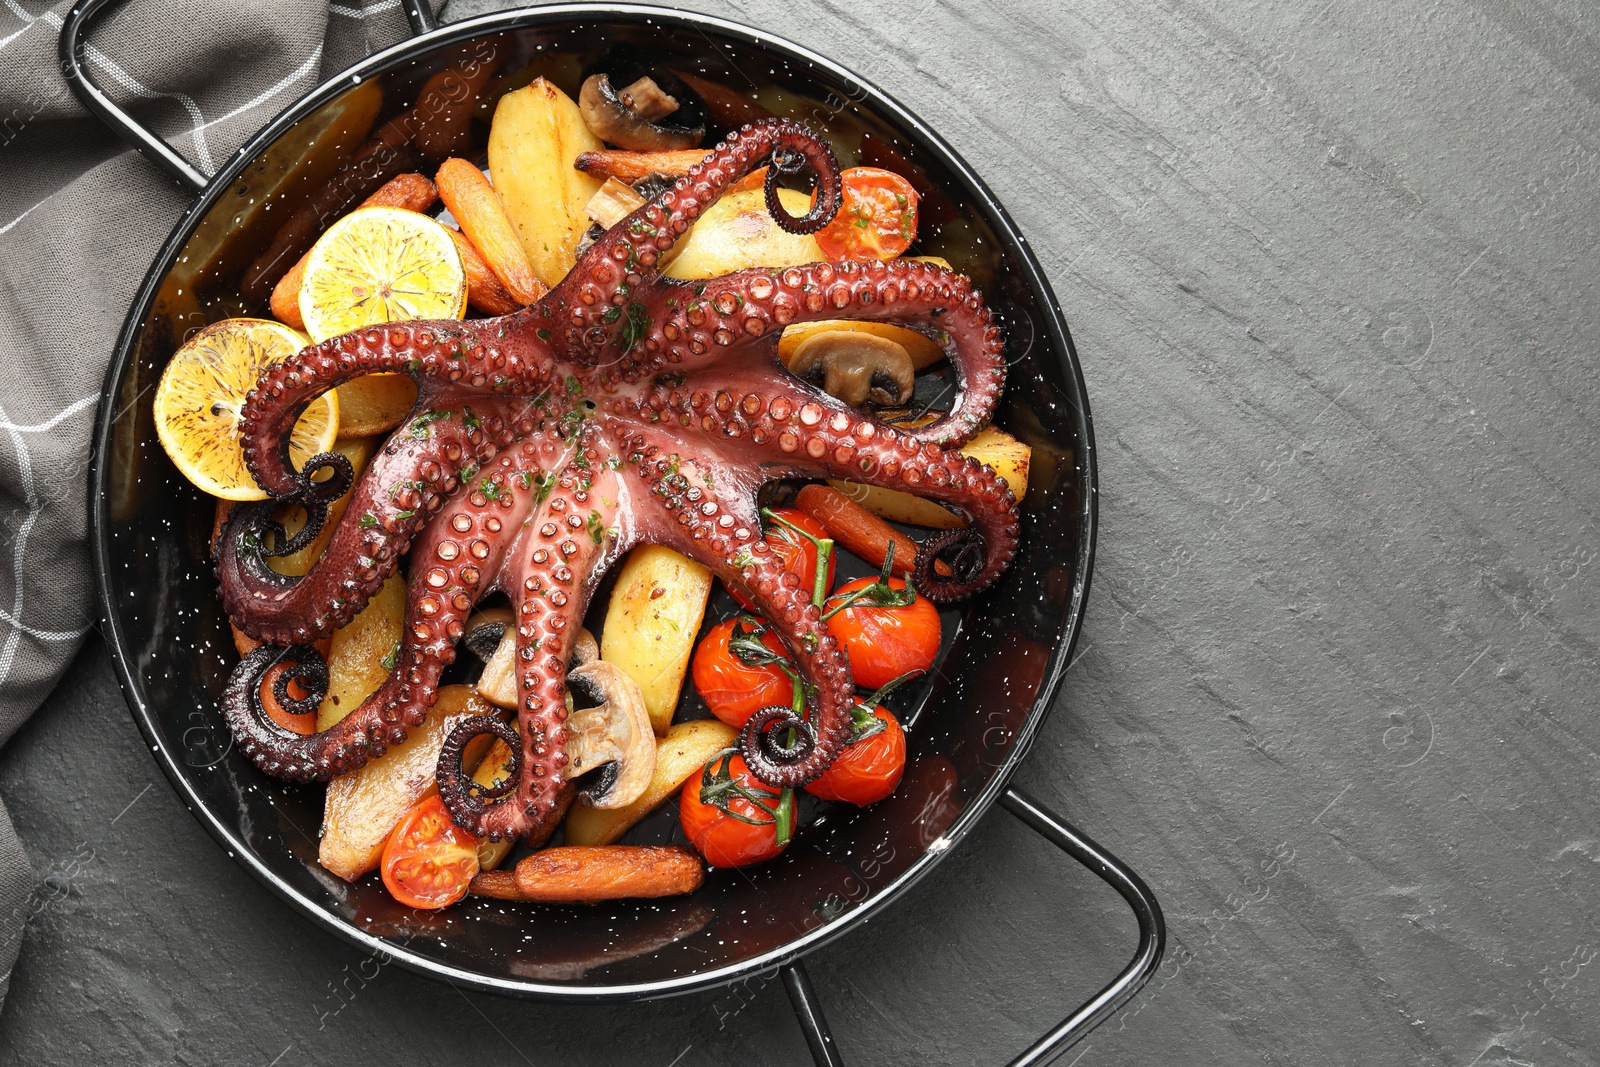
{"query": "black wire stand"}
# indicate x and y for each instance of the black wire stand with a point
(1090, 1014)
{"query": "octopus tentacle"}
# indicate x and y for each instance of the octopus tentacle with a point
(826, 438)
(791, 430)
(722, 535)
(739, 308)
(600, 296)
(449, 577)
(475, 355)
(398, 494)
(550, 574)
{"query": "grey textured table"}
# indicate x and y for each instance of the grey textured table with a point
(1332, 275)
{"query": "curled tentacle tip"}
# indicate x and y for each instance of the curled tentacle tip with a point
(776, 761)
(467, 801)
(966, 556)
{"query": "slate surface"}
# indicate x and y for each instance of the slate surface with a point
(1332, 275)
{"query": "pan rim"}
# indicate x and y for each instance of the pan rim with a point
(884, 106)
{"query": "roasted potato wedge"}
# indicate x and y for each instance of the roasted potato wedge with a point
(536, 137)
(361, 654)
(737, 232)
(375, 403)
(683, 752)
(656, 609)
(1008, 456)
(366, 804)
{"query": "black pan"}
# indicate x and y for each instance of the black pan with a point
(973, 722)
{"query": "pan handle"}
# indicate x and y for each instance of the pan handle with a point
(72, 50)
(1075, 1027)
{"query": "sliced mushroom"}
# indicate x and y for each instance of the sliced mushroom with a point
(627, 117)
(855, 366)
(614, 735)
(613, 202)
(486, 628)
(492, 638)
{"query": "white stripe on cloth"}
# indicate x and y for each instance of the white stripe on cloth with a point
(301, 71)
(13, 618)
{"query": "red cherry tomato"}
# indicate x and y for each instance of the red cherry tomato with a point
(428, 859)
(796, 553)
(869, 767)
(733, 689)
(729, 829)
(884, 641)
(877, 217)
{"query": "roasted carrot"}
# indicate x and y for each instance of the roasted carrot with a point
(631, 166)
(414, 192)
(859, 530)
(584, 874)
(299, 724)
(501, 885)
(482, 217)
(484, 290)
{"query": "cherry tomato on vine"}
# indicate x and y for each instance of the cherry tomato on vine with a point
(428, 859)
(877, 216)
(733, 686)
(868, 768)
(887, 629)
(732, 817)
(796, 552)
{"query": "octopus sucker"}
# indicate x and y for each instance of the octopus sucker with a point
(623, 408)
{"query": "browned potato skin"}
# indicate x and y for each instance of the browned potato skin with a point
(363, 806)
(586, 874)
(737, 232)
(656, 609)
(375, 403)
(357, 651)
(535, 138)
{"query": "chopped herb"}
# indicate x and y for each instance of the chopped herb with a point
(367, 521)
(471, 421)
(634, 330)
(595, 530)
(392, 658)
(574, 387)
(404, 515)
(543, 335)
(420, 424)
(547, 482)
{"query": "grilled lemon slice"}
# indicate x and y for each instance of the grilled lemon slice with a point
(202, 390)
(381, 264)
